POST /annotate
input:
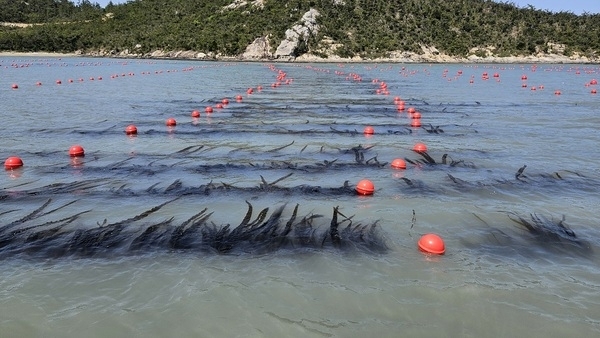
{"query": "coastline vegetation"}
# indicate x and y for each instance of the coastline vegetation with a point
(365, 28)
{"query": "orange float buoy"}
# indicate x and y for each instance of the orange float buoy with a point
(398, 163)
(13, 162)
(249, 91)
(225, 101)
(195, 113)
(238, 98)
(594, 91)
(420, 148)
(416, 123)
(416, 115)
(594, 82)
(171, 122)
(219, 106)
(58, 81)
(432, 243)
(369, 130)
(411, 110)
(15, 86)
(208, 109)
(365, 187)
(76, 151)
(557, 92)
(131, 130)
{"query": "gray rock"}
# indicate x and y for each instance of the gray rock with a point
(288, 48)
(258, 49)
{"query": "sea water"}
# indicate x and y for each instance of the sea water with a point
(495, 279)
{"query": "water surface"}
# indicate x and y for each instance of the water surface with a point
(495, 279)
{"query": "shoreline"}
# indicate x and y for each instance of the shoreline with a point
(40, 54)
(309, 58)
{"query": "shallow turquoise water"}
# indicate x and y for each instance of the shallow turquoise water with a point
(494, 279)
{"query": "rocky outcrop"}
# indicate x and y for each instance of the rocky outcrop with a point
(297, 37)
(181, 54)
(241, 3)
(259, 49)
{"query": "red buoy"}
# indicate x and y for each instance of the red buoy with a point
(15, 86)
(58, 81)
(208, 109)
(13, 162)
(76, 151)
(195, 113)
(219, 106)
(131, 130)
(415, 123)
(365, 187)
(594, 91)
(420, 148)
(225, 102)
(398, 163)
(369, 130)
(416, 115)
(238, 98)
(432, 243)
(171, 122)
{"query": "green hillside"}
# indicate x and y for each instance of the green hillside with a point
(366, 28)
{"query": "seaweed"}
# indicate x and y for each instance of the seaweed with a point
(262, 234)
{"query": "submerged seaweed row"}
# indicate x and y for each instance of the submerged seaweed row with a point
(53, 239)
(539, 237)
(176, 188)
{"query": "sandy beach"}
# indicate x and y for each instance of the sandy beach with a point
(395, 57)
(36, 54)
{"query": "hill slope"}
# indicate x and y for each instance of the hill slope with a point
(344, 28)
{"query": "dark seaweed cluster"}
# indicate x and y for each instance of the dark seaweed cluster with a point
(261, 234)
(538, 236)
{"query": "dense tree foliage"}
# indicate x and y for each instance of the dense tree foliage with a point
(369, 28)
